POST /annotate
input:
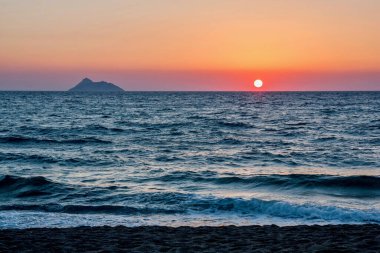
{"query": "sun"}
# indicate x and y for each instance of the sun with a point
(258, 83)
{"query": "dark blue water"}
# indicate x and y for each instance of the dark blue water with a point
(174, 159)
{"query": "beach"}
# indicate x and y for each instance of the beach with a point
(315, 238)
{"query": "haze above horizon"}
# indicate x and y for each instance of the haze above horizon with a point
(215, 45)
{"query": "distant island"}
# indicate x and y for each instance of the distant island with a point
(87, 85)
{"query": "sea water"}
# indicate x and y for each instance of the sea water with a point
(189, 158)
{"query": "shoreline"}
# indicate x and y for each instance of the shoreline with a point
(270, 238)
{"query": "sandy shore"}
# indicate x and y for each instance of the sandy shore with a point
(338, 238)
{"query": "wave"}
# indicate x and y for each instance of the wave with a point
(16, 187)
(103, 128)
(87, 209)
(234, 124)
(302, 180)
(325, 139)
(338, 186)
(231, 141)
(53, 159)
(85, 140)
(217, 206)
(20, 187)
(25, 140)
(297, 124)
(287, 210)
(11, 181)
(43, 195)
(369, 183)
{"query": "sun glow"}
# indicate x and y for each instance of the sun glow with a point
(258, 83)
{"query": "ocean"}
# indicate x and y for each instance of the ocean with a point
(189, 158)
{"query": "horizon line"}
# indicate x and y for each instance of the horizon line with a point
(252, 91)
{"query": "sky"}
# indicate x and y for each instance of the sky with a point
(191, 44)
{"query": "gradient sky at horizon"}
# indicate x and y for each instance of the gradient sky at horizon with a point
(191, 45)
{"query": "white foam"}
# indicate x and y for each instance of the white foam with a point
(26, 219)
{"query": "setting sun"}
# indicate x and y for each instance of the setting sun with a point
(258, 83)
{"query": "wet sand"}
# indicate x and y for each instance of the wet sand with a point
(330, 238)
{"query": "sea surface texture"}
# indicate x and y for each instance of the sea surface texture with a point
(188, 158)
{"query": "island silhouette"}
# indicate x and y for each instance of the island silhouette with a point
(87, 85)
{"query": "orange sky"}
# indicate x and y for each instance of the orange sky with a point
(197, 42)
